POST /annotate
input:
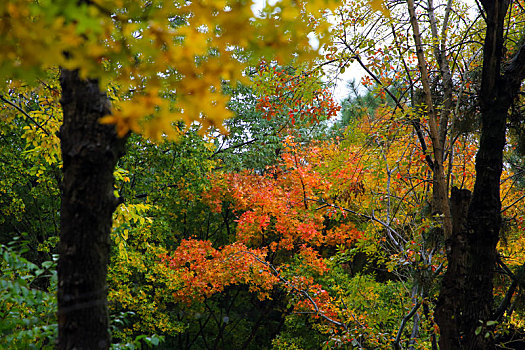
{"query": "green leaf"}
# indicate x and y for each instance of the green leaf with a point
(478, 330)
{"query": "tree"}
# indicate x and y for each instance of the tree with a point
(280, 233)
(87, 206)
(432, 102)
(148, 50)
(304, 226)
(283, 101)
(465, 322)
(410, 68)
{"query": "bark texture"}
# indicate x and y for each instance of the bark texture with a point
(89, 152)
(448, 313)
(466, 300)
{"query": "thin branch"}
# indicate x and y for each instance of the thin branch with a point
(415, 122)
(24, 113)
(403, 324)
(516, 281)
(372, 217)
(221, 150)
(294, 288)
(512, 204)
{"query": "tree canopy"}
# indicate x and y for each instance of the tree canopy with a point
(180, 175)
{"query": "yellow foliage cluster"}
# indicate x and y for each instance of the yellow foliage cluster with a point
(138, 258)
(152, 49)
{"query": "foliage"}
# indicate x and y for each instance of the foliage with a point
(153, 49)
(296, 93)
(28, 317)
(282, 101)
(280, 234)
(29, 166)
(161, 209)
(276, 212)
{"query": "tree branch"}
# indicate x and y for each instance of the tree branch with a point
(516, 280)
(512, 204)
(403, 324)
(25, 114)
(295, 289)
(372, 217)
(515, 72)
(221, 150)
(415, 122)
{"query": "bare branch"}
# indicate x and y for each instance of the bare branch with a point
(498, 314)
(512, 204)
(372, 217)
(403, 324)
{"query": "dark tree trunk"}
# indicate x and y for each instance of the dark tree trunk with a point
(90, 151)
(466, 299)
(449, 304)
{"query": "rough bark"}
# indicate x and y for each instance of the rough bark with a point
(466, 299)
(90, 151)
(448, 312)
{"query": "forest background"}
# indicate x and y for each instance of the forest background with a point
(179, 175)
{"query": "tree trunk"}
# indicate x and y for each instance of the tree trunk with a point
(90, 152)
(440, 203)
(466, 299)
(448, 311)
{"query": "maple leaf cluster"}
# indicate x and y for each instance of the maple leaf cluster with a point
(204, 270)
(152, 50)
(295, 93)
(278, 217)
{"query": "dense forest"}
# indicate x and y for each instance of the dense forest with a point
(180, 175)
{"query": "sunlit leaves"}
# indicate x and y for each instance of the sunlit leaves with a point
(150, 49)
(30, 161)
(125, 216)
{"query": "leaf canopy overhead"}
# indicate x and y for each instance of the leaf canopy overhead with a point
(149, 50)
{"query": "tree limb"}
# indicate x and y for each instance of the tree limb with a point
(403, 324)
(516, 281)
(25, 114)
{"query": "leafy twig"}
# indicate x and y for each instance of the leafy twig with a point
(24, 113)
(295, 288)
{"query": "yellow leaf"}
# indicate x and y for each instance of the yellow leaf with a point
(379, 5)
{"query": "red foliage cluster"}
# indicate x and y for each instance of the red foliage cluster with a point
(204, 270)
(278, 213)
(294, 93)
(278, 209)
